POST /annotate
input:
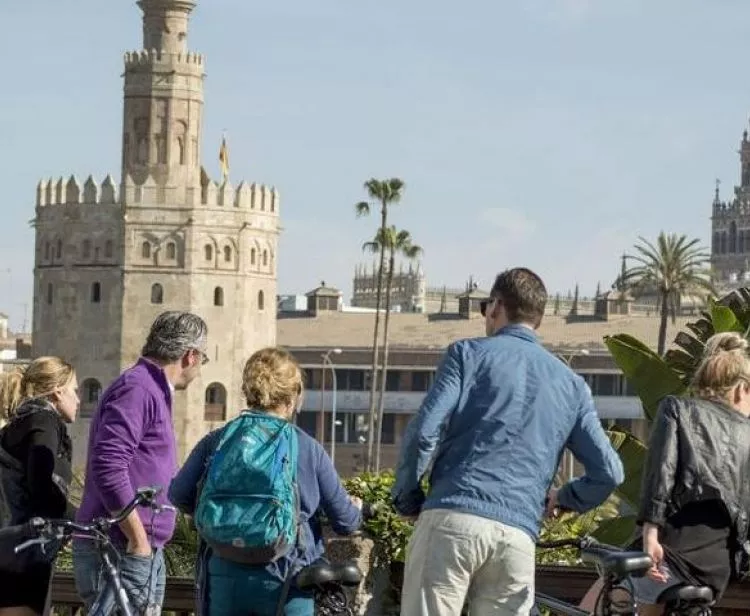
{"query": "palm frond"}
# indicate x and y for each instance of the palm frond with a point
(362, 208)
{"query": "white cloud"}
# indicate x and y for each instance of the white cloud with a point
(516, 224)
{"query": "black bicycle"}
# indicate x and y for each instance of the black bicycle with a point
(617, 567)
(53, 535)
(327, 582)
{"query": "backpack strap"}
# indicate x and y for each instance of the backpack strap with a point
(298, 540)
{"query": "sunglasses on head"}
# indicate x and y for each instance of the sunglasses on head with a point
(485, 303)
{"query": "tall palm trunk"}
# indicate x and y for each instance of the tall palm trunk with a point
(374, 383)
(384, 369)
(662, 341)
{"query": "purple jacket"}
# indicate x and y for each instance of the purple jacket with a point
(131, 445)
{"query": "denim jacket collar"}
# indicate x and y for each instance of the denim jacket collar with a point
(519, 331)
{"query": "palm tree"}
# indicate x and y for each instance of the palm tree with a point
(386, 193)
(673, 267)
(395, 243)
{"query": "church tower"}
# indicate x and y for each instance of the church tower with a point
(730, 228)
(109, 261)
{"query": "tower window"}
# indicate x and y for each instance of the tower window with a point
(218, 296)
(96, 293)
(252, 256)
(92, 391)
(265, 258)
(146, 250)
(208, 250)
(261, 300)
(157, 294)
(215, 408)
(227, 253)
(47, 250)
(171, 250)
(108, 248)
(86, 249)
(59, 249)
(50, 292)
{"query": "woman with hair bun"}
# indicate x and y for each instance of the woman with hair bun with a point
(694, 507)
(272, 385)
(35, 466)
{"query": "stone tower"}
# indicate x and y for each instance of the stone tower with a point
(108, 260)
(730, 227)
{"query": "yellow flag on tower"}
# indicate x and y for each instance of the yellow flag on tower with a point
(224, 159)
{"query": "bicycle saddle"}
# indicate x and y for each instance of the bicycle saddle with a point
(615, 562)
(701, 595)
(321, 572)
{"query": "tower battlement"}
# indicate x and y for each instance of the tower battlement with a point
(70, 191)
(152, 59)
(256, 197)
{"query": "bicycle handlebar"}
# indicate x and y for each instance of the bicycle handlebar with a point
(50, 529)
(580, 543)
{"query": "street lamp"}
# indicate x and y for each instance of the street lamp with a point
(567, 358)
(327, 361)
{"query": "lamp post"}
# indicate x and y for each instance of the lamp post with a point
(327, 362)
(567, 358)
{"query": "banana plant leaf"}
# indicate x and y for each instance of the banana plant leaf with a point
(633, 455)
(651, 377)
(724, 319)
(616, 531)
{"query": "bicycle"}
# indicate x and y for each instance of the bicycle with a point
(328, 581)
(617, 567)
(60, 532)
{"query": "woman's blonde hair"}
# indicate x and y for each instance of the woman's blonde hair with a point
(37, 380)
(271, 378)
(724, 364)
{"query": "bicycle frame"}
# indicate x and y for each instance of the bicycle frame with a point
(113, 592)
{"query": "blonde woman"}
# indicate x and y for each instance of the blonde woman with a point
(694, 500)
(35, 465)
(272, 384)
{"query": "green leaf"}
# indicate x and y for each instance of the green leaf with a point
(650, 375)
(633, 455)
(724, 319)
(616, 531)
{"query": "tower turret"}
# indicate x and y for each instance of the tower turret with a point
(163, 106)
(165, 24)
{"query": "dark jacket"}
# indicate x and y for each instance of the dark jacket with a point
(699, 450)
(35, 464)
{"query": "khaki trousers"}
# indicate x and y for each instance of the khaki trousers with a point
(453, 556)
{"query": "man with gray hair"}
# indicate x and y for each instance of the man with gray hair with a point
(132, 445)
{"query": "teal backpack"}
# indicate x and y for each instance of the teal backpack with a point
(248, 505)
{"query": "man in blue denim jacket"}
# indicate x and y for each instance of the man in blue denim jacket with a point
(493, 427)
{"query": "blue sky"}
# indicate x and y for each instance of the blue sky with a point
(546, 133)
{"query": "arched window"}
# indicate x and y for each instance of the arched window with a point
(96, 293)
(715, 245)
(208, 250)
(59, 249)
(47, 250)
(171, 250)
(86, 249)
(146, 250)
(108, 248)
(91, 391)
(216, 403)
(723, 247)
(50, 292)
(733, 237)
(157, 294)
(218, 296)
(265, 258)
(227, 253)
(252, 256)
(261, 300)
